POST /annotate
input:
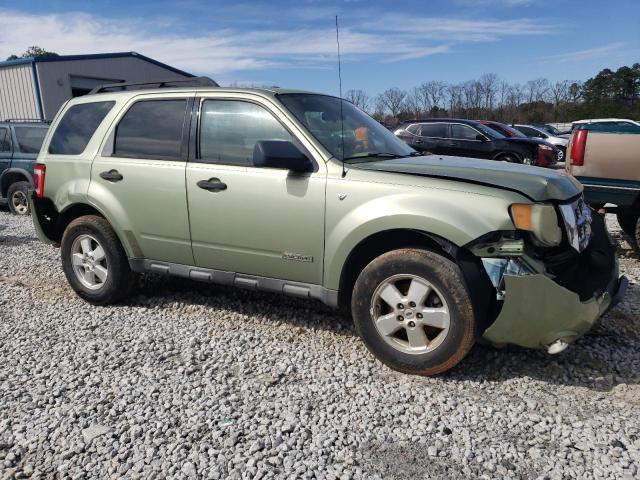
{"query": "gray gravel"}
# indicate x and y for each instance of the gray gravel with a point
(187, 380)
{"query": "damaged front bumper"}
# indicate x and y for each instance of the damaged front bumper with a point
(552, 304)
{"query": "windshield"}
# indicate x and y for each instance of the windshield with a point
(489, 132)
(30, 138)
(551, 129)
(361, 136)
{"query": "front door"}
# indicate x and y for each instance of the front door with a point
(465, 142)
(259, 221)
(431, 138)
(139, 177)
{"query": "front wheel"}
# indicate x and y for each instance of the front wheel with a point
(413, 311)
(94, 261)
(510, 158)
(17, 196)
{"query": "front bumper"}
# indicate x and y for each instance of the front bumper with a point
(563, 302)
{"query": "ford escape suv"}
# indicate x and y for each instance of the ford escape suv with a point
(306, 195)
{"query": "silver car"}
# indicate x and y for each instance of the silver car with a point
(535, 131)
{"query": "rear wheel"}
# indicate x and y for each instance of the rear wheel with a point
(413, 311)
(94, 261)
(509, 157)
(17, 196)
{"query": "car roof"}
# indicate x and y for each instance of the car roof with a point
(593, 120)
(271, 91)
(24, 123)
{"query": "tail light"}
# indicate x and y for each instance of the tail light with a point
(578, 145)
(38, 179)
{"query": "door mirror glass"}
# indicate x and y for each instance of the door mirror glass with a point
(280, 154)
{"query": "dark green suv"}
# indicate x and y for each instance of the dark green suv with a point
(20, 142)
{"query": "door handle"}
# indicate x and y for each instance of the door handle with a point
(452, 144)
(418, 141)
(112, 175)
(213, 185)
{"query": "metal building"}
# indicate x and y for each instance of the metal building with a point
(35, 88)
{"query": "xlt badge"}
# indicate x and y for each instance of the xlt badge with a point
(297, 257)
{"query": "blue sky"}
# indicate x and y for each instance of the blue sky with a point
(384, 44)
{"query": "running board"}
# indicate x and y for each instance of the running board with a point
(250, 282)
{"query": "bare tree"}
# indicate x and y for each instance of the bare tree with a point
(435, 92)
(359, 98)
(392, 100)
(489, 86)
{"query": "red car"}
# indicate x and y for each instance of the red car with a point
(546, 157)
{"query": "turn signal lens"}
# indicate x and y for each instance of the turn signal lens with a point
(521, 213)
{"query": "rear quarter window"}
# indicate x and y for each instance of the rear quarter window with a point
(30, 138)
(77, 126)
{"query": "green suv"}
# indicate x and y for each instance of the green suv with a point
(304, 194)
(20, 142)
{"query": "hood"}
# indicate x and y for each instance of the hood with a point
(539, 184)
(526, 141)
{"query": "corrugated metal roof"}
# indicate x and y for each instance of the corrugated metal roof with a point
(94, 56)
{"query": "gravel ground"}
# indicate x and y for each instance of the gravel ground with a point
(188, 380)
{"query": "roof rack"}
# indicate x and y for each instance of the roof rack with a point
(26, 120)
(187, 82)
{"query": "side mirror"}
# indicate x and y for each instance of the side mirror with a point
(281, 154)
(481, 137)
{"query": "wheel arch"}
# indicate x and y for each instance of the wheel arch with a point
(11, 176)
(55, 227)
(380, 243)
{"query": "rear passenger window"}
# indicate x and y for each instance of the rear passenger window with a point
(434, 130)
(77, 126)
(5, 140)
(230, 129)
(151, 129)
(30, 138)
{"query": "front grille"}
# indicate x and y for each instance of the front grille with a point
(577, 221)
(588, 272)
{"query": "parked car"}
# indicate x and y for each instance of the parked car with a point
(550, 129)
(532, 131)
(511, 132)
(612, 122)
(305, 194)
(470, 138)
(20, 142)
(604, 158)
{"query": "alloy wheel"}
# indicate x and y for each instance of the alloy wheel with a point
(19, 202)
(410, 314)
(89, 262)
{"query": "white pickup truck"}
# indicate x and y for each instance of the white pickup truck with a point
(606, 160)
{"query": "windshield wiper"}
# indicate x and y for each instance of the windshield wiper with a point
(358, 156)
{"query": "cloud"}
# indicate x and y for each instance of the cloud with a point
(250, 45)
(589, 54)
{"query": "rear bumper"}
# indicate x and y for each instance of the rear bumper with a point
(43, 223)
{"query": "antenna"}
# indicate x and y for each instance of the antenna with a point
(344, 172)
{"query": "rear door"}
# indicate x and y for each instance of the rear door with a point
(139, 176)
(432, 138)
(261, 221)
(5, 149)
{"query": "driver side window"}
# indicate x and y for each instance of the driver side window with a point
(5, 140)
(230, 129)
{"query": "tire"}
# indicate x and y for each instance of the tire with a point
(109, 278)
(17, 197)
(636, 238)
(447, 344)
(628, 221)
(509, 157)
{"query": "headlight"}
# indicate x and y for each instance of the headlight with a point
(577, 221)
(545, 147)
(538, 218)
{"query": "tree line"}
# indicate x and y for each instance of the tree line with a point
(608, 94)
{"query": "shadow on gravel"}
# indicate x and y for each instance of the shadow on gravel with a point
(599, 361)
(13, 240)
